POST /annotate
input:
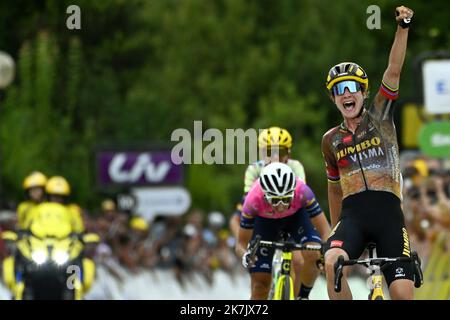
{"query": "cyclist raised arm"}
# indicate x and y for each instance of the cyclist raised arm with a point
(273, 204)
(363, 169)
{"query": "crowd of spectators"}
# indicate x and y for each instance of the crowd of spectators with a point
(194, 242)
(426, 201)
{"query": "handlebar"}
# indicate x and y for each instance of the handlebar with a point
(291, 246)
(414, 259)
(284, 245)
(253, 247)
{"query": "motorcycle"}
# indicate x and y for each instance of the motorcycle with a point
(48, 262)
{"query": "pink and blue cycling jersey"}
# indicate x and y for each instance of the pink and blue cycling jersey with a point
(255, 204)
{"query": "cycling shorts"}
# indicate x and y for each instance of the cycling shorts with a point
(374, 216)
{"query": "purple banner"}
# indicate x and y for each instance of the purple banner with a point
(137, 168)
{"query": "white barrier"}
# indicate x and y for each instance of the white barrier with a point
(162, 285)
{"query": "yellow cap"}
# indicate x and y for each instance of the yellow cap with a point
(422, 167)
(35, 179)
(139, 223)
(57, 185)
(108, 205)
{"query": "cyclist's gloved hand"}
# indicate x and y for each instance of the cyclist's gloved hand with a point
(247, 260)
(404, 16)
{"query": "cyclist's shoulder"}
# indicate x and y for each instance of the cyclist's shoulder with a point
(333, 131)
(333, 136)
(255, 193)
(294, 164)
(301, 185)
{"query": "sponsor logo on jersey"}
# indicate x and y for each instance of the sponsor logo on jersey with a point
(336, 243)
(361, 134)
(264, 251)
(265, 266)
(347, 139)
(399, 272)
(334, 229)
(364, 145)
(406, 250)
(373, 152)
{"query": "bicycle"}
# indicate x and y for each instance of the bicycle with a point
(282, 287)
(376, 266)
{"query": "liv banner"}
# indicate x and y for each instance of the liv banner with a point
(137, 168)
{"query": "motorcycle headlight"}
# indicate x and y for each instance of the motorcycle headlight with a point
(60, 257)
(39, 256)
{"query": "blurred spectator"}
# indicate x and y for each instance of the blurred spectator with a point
(426, 193)
(8, 220)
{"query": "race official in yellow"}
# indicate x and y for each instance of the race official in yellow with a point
(34, 186)
(58, 191)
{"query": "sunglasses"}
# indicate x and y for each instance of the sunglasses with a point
(339, 88)
(275, 201)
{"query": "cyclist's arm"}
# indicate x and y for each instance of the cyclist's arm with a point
(244, 237)
(391, 77)
(245, 230)
(233, 224)
(334, 202)
(334, 186)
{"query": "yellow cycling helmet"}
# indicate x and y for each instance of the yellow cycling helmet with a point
(347, 71)
(35, 179)
(275, 136)
(57, 185)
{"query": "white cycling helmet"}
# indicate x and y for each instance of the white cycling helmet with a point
(277, 180)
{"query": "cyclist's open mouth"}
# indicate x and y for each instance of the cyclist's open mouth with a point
(349, 105)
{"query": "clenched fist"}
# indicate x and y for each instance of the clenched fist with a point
(403, 16)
